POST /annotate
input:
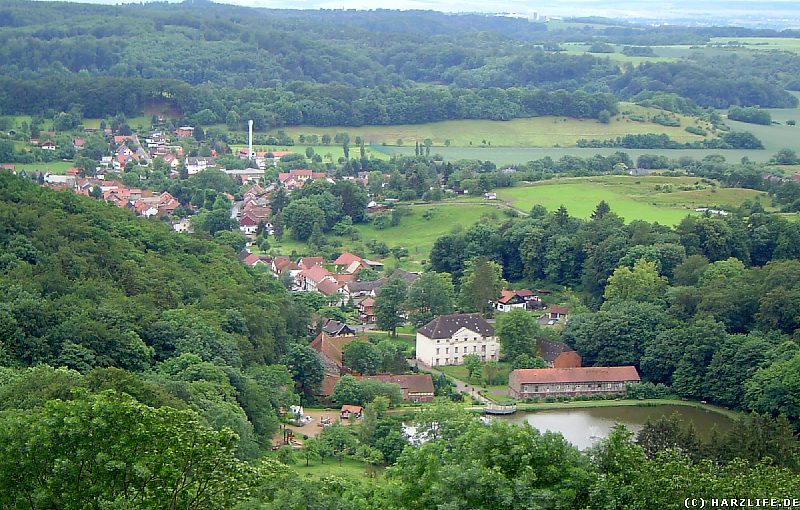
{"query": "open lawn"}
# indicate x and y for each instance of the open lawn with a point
(519, 155)
(414, 233)
(54, 167)
(617, 56)
(762, 43)
(330, 153)
(348, 468)
(460, 372)
(418, 234)
(527, 132)
(631, 197)
(406, 341)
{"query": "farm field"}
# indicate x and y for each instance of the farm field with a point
(418, 234)
(763, 43)
(334, 150)
(630, 197)
(515, 156)
(414, 232)
(617, 56)
(527, 132)
(54, 167)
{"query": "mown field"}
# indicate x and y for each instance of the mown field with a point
(527, 132)
(54, 167)
(617, 56)
(329, 153)
(414, 233)
(762, 43)
(515, 156)
(630, 197)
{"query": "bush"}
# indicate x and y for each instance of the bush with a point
(645, 390)
(750, 115)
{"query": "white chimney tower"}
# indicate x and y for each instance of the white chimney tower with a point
(250, 152)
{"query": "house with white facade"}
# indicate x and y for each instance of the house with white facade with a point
(448, 338)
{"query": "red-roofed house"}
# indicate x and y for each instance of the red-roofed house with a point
(554, 315)
(48, 145)
(253, 260)
(282, 263)
(524, 299)
(346, 259)
(366, 310)
(350, 412)
(184, 131)
(416, 387)
(309, 279)
(333, 290)
(543, 382)
(309, 262)
(78, 144)
(330, 351)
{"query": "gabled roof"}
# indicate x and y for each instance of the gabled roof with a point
(445, 326)
(346, 258)
(356, 287)
(508, 295)
(334, 327)
(328, 287)
(561, 310)
(309, 262)
(344, 278)
(550, 350)
(576, 375)
(252, 260)
(416, 383)
(330, 346)
(351, 409)
(316, 274)
(283, 263)
(408, 276)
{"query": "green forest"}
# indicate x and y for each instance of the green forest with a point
(215, 64)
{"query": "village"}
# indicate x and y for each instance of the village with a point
(348, 282)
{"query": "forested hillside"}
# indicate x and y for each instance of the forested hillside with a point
(126, 304)
(347, 68)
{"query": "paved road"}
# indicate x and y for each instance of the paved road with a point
(460, 385)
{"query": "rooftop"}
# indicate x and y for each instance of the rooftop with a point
(576, 375)
(445, 325)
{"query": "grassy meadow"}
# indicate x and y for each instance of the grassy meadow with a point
(53, 167)
(335, 151)
(762, 43)
(414, 233)
(525, 132)
(630, 197)
(316, 470)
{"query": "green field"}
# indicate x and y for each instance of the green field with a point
(316, 470)
(516, 156)
(762, 43)
(414, 233)
(617, 56)
(54, 167)
(418, 235)
(335, 151)
(630, 197)
(527, 132)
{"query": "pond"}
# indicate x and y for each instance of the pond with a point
(585, 427)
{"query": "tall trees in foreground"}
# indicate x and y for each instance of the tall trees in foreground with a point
(108, 450)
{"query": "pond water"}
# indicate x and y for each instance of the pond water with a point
(585, 427)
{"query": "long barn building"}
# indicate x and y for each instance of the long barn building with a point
(544, 382)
